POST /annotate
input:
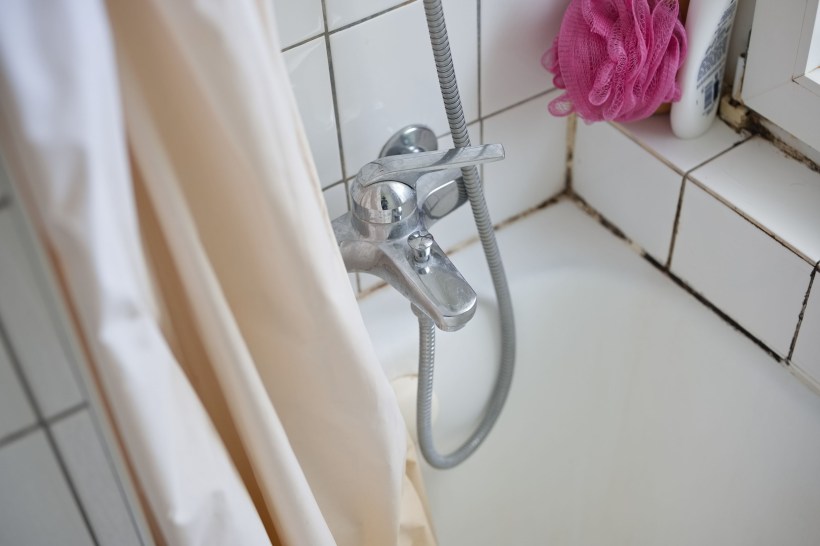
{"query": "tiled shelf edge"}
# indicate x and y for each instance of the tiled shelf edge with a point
(770, 230)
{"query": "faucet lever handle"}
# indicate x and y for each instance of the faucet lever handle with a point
(387, 168)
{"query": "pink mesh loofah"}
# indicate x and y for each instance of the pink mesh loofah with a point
(616, 59)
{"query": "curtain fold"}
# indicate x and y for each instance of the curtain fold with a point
(63, 140)
(253, 365)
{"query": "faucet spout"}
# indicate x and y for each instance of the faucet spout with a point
(433, 285)
(425, 276)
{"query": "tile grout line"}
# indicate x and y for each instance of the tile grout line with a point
(663, 159)
(334, 98)
(676, 223)
(802, 313)
(334, 184)
(717, 310)
(66, 413)
(734, 208)
(43, 423)
(612, 228)
(596, 215)
(326, 33)
(90, 401)
(688, 175)
(685, 176)
(519, 103)
(572, 130)
(364, 19)
(618, 127)
(19, 434)
(303, 42)
(468, 123)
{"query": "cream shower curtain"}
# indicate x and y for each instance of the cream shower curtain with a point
(158, 148)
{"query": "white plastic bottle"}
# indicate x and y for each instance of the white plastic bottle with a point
(708, 29)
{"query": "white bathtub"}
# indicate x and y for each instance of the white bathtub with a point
(637, 416)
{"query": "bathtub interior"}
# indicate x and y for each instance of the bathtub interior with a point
(637, 415)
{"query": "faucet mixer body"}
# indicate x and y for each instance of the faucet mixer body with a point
(396, 199)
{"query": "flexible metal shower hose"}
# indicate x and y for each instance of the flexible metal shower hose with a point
(427, 330)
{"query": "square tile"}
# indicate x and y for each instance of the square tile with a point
(514, 36)
(15, 410)
(775, 191)
(628, 185)
(310, 79)
(807, 350)
(26, 313)
(298, 20)
(344, 12)
(336, 200)
(740, 269)
(36, 506)
(534, 169)
(386, 78)
(94, 479)
(682, 155)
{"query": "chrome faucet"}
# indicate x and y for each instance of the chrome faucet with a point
(396, 199)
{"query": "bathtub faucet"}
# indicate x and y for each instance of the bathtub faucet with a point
(396, 199)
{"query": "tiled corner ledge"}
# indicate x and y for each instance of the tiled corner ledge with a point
(727, 215)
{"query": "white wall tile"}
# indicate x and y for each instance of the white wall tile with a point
(774, 190)
(514, 36)
(15, 411)
(629, 186)
(344, 12)
(744, 272)
(36, 506)
(94, 479)
(807, 350)
(682, 154)
(535, 165)
(336, 200)
(386, 78)
(28, 321)
(298, 20)
(310, 78)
